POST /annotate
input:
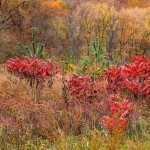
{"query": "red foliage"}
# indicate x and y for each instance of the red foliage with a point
(32, 68)
(133, 77)
(138, 76)
(139, 67)
(115, 78)
(83, 87)
(119, 113)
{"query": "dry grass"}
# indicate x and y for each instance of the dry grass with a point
(49, 124)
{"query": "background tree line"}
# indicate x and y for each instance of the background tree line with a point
(62, 25)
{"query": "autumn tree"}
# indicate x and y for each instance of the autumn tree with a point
(133, 33)
(13, 15)
(50, 25)
(62, 25)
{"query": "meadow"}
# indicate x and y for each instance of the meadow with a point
(74, 79)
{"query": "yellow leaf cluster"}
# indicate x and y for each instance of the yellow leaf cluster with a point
(53, 4)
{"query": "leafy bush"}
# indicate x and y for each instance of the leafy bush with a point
(133, 78)
(32, 68)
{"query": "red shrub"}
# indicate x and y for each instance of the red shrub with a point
(115, 78)
(83, 87)
(133, 77)
(138, 76)
(32, 68)
(119, 113)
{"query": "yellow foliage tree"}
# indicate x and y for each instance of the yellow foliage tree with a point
(54, 5)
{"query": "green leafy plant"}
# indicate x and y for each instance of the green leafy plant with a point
(85, 64)
(70, 59)
(36, 50)
(98, 51)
